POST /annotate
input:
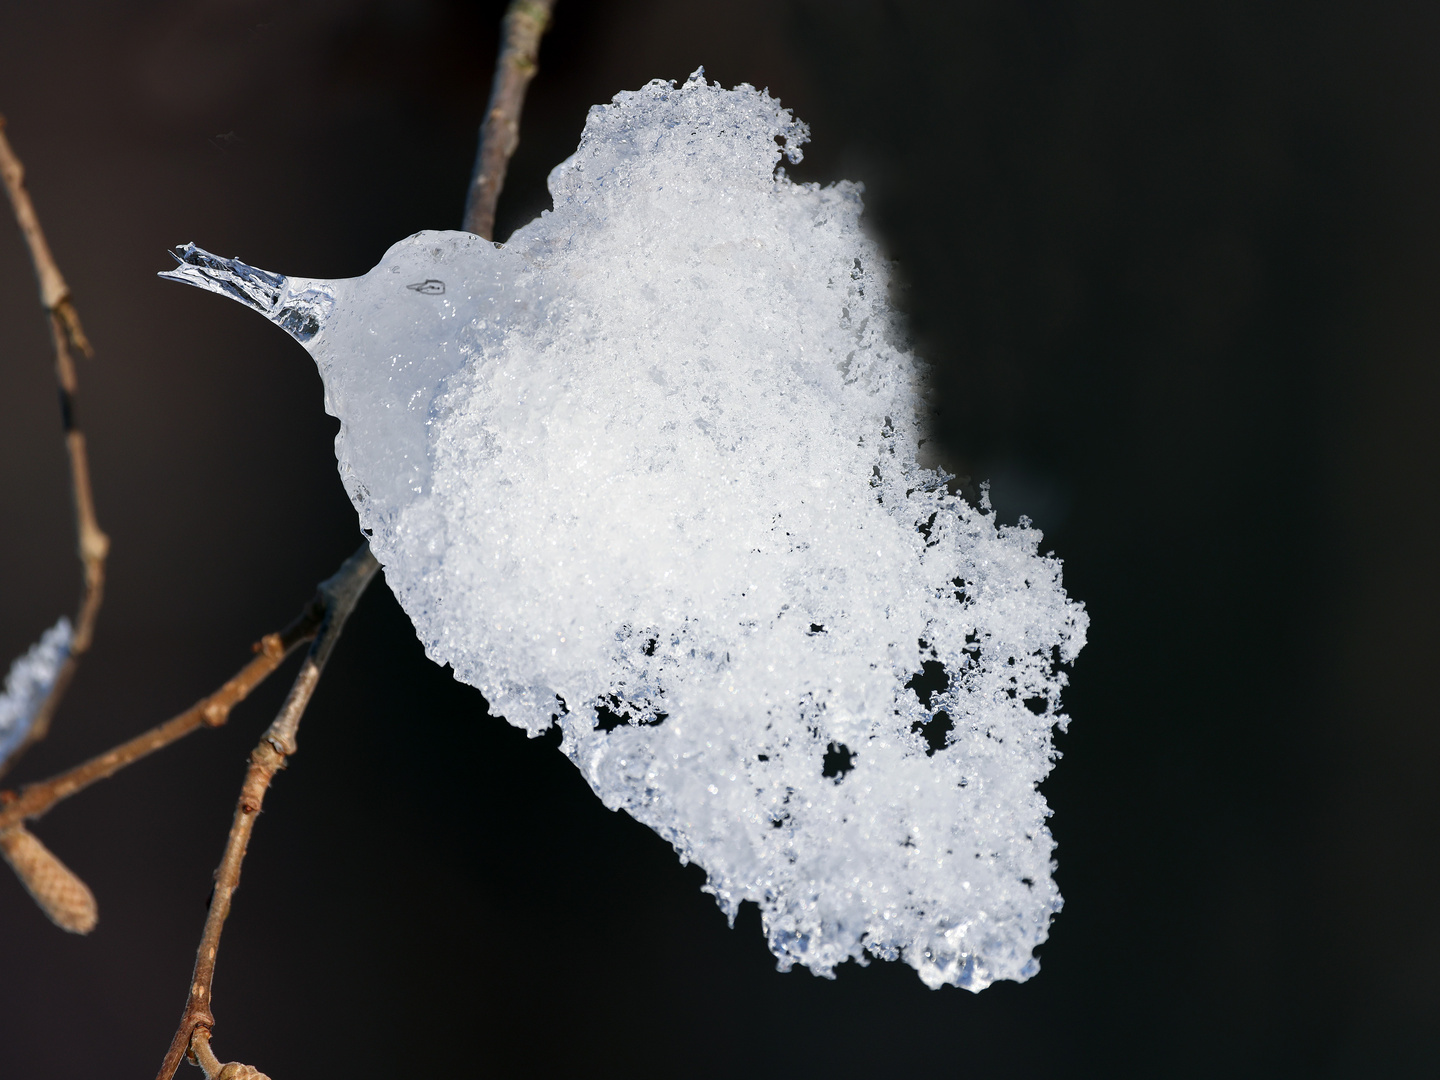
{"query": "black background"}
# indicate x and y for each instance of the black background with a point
(1175, 265)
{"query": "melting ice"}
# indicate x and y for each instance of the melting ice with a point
(648, 471)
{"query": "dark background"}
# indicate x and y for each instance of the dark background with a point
(1176, 267)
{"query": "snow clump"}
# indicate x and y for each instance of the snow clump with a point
(28, 684)
(648, 471)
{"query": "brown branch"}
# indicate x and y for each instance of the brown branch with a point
(339, 595)
(66, 333)
(520, 32)
(61, 895)
(35, 799)
(53, 290)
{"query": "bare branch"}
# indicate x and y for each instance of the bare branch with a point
(66, 333)
(339, 594)
(212, 711)
(520, 32)
(53, 290)
(59, 892)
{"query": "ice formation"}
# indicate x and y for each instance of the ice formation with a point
(648, 471)
(28, 683)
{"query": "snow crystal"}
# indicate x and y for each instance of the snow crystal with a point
(648, 471)
(28, 684)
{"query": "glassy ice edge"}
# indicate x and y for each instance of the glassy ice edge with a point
(28, 684)
(648, 471)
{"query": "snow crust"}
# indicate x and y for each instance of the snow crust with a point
(28, 683)
(648, 471)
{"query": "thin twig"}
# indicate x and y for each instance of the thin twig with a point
(520, 32)
(339, 593)
(55, 888)
(67, 334)
(35, 799)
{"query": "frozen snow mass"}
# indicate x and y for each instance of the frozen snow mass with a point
(648, 471)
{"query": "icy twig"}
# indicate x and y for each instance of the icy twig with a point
(520, 32)
(339, 595)
(66, 333)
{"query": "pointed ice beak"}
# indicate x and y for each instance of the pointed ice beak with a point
(300, 306)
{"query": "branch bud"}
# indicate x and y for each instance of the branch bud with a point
(203, 1056)
(66, 899)
(236, 1071)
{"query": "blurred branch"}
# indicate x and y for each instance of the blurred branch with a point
(54, 293)
(524, 24)
(66, 333)
(338, 594)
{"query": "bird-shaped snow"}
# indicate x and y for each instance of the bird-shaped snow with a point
(648, 471)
